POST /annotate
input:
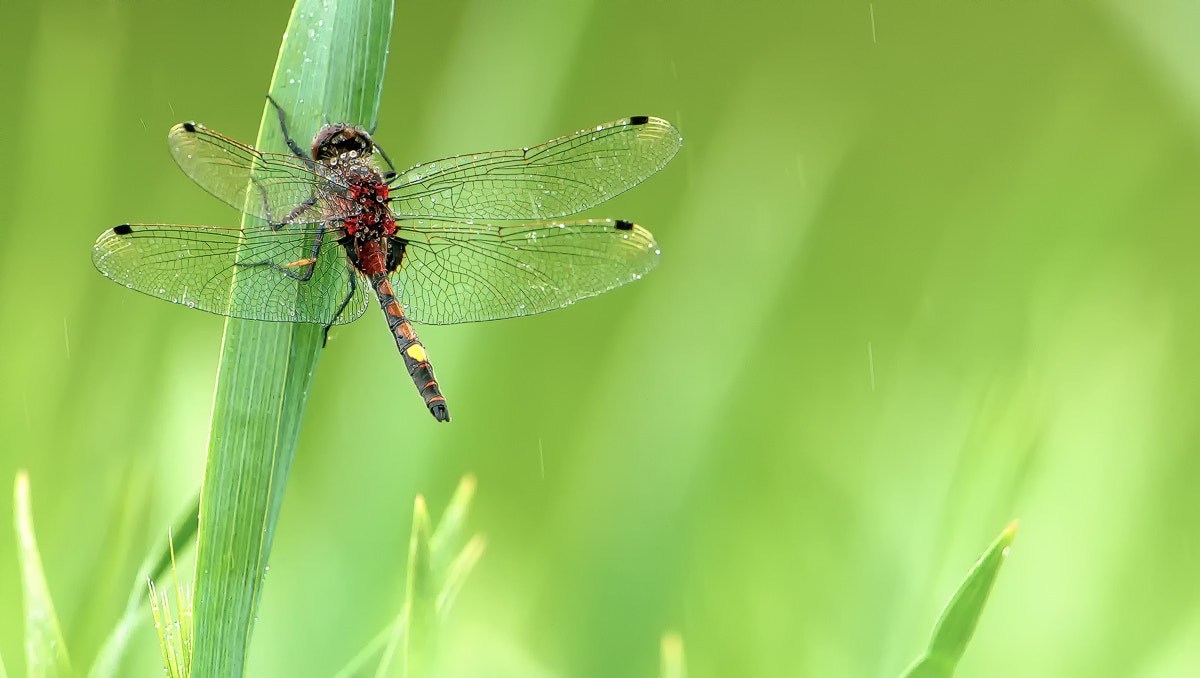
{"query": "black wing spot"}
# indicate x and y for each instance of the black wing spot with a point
(123, 229)
(623, 225)
(189, 126)
(639, 120)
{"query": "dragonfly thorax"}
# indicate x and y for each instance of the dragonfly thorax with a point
(333, 141)
(369, 197)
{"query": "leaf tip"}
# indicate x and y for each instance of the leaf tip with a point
(672, 644)
(671, 651)
(467, 484)
(1006, 537)
(21, 487)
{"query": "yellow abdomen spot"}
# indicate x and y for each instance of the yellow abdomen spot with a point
(417, 353)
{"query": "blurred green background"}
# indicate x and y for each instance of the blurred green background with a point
(928, 267)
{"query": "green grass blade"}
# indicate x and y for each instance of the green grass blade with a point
(181, 532)
(383, 640)
(330, 66)
(174, 632)
(108, 661)
(456, 574)
(418, 574)
(443, 545)
(672, 657)
(958, 620)
(45, 650)
(419, 599)
(425, 577)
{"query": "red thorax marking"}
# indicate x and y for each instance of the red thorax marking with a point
(373, 199)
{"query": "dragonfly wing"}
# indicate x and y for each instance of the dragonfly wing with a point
(455, 272)
(559, 177)
(271, 186)
(251, 273)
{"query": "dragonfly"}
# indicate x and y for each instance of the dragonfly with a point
(468, 238)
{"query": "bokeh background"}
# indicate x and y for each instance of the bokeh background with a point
(928, 267)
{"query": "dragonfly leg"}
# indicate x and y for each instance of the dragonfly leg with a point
(307, 266)
(296, 149)
(345, 302)
(266, 204)
(300, 209)
(391, 173)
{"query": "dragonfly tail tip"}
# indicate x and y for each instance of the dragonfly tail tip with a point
(439, 411)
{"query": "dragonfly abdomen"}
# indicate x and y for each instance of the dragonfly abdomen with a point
(372, 261)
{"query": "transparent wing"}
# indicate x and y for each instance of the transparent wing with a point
(557, 178)
(197, 266)
(271, 186)
(454, 272)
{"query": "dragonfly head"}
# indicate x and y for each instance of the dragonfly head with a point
(334, 140)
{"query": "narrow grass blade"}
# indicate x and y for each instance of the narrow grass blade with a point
(448, 533)
(958, 620)
(3, 673)
(330, 66)
(418, 569)
(174, 633)
(382, 641)
(672, 657)
(425, 578)
(183, 531)
(420, 597)
(456, 574)
(45, 651)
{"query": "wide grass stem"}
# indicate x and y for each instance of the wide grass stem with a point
(330, 67)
